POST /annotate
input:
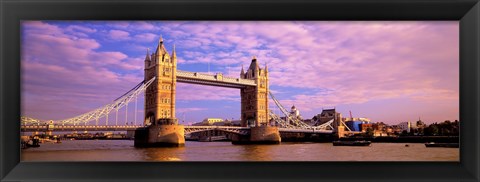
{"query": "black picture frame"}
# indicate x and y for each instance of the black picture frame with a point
(12, 12)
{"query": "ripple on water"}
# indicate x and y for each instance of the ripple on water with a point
(123, 150)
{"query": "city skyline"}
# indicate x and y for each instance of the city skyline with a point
(386, 71)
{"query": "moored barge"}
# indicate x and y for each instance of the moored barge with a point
(447, 145)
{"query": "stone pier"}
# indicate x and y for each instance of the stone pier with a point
(259, 135)
(160, 135)
(341, 131)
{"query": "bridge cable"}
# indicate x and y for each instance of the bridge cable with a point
(297, 122)
(102, 111)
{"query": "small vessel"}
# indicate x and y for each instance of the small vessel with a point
(57, 140)
(34, 143)
(352, 143)
(448, 145)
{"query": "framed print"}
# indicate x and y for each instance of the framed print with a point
(230, 90)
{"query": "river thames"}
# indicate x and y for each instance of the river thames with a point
(123, 150)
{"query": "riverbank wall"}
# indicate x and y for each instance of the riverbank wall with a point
(407, 139)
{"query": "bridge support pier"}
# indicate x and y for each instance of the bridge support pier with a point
(167, 134)
(259, 135)
(341, 131)
(130, 134)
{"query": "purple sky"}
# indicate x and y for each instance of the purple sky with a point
(386, 71)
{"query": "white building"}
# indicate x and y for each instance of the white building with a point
(294, 112)
(208, 122)
(405, 126)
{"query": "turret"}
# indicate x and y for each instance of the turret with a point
(161, 51)
(147, 59)
(266, 68)
(174, 56)
(152, 57)
(242, 73)
(253, 69)
(257, 68)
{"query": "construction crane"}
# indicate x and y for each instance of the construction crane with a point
(351, 117)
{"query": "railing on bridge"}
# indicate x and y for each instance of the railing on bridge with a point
(218, 78)
(297, 130)
(78, 127)
(214, 127)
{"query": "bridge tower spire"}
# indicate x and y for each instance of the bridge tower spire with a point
(174, 52)
(242, 73)
(266, 68)
(147, 59)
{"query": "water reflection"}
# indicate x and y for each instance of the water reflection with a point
(164, 154)
(256, 152)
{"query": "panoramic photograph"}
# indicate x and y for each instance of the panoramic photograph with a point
(239, 91)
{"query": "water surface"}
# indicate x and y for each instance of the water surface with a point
(123, 150)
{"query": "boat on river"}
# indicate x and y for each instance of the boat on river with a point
(32, 143)
(448, 145)
(352, 143)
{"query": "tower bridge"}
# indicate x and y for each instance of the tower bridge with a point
(160, 126)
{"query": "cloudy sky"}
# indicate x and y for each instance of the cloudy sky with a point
(386, 71)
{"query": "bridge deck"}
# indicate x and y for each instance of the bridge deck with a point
(80, 128)
(32, 128)
(214, 80)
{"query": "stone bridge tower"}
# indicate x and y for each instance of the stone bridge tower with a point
(162, 128)
(160, 95)
(254, 111)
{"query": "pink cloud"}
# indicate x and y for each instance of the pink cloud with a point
(119, 35)
(80, 28)
(131, 25)
(191, 92)
(142, 25)
(73, 73)
(189, 109)
(145, 37)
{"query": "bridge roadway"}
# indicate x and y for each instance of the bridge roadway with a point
(213, 80)
(188, 129)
